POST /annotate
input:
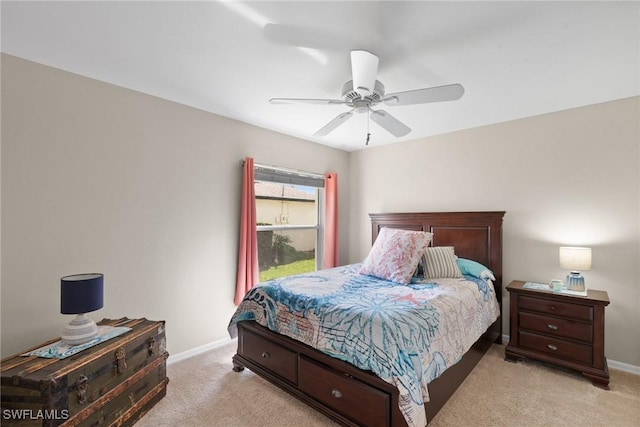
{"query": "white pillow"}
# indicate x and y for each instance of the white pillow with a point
(395, 254)
(440, 262)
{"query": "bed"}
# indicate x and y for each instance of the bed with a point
(346, 389)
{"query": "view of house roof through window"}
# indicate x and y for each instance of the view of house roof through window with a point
(287, 217)
(265, 189)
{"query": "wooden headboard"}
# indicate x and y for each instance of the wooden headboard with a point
(474, 235)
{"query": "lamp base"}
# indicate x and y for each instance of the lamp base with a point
(575, 282)
(79, 331)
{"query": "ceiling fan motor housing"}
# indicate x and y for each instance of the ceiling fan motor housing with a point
(354, 99)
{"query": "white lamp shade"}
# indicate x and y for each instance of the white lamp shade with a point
(575, 259)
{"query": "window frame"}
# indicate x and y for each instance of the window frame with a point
(301, 178)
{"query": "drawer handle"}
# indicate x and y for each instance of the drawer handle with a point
(552, 347)
(265, 355)
(336, 393)
(552, 327)
(552, 307)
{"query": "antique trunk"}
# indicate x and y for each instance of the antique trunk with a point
(112, 383)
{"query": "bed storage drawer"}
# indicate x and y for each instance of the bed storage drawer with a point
(365, 405)
(271, 356)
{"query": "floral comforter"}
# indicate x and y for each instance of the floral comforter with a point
(405, 334)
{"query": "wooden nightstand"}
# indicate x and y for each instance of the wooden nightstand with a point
(112, 383)
(562, 329)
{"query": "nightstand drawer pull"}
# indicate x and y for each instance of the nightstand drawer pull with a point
(552, 307)
(336, 393)
(552, 347)
(552, 327)
(266, 355)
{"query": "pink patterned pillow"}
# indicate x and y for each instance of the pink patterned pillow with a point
(395, 254)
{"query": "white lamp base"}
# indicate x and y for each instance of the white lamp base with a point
(575, 282)
(575, 285)
(79, 331)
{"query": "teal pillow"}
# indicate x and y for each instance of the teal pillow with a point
(475, 269)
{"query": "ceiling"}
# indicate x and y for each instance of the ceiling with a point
(514, 59)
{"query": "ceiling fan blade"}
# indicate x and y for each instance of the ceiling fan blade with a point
(292, 35)
(394, 126)
(364, 68)
(337, 121)
(306, 101)
(423, 96)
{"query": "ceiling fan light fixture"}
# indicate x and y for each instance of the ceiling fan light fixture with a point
(361, 106)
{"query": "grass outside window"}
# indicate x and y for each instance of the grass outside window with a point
(297, 267)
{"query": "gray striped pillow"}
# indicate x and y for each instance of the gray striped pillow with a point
(440, 262)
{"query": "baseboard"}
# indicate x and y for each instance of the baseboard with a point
(505, 339)
(626, 367)
(199, 350)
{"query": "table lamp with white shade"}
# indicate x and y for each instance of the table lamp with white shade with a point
(575, 259)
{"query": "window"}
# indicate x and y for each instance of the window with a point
(289, 221)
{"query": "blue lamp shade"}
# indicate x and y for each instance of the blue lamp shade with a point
(80, 294)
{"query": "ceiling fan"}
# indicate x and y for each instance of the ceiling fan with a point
(364, 91)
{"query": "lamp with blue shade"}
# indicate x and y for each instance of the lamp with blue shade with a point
(81, 294)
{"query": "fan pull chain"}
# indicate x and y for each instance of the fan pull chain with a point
(368, 134)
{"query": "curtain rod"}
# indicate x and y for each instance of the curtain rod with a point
(286, 170)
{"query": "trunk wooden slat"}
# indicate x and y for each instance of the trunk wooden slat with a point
(112, 383)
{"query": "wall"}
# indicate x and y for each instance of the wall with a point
(97, 178)
(100, 178)
(568, 178)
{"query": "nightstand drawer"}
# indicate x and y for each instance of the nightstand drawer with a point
(580, 353)
(557, 327)
(556, 308)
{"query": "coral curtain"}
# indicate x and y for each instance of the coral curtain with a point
(248, 275)
(330, 258)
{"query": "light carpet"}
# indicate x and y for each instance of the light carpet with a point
(204, 391)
